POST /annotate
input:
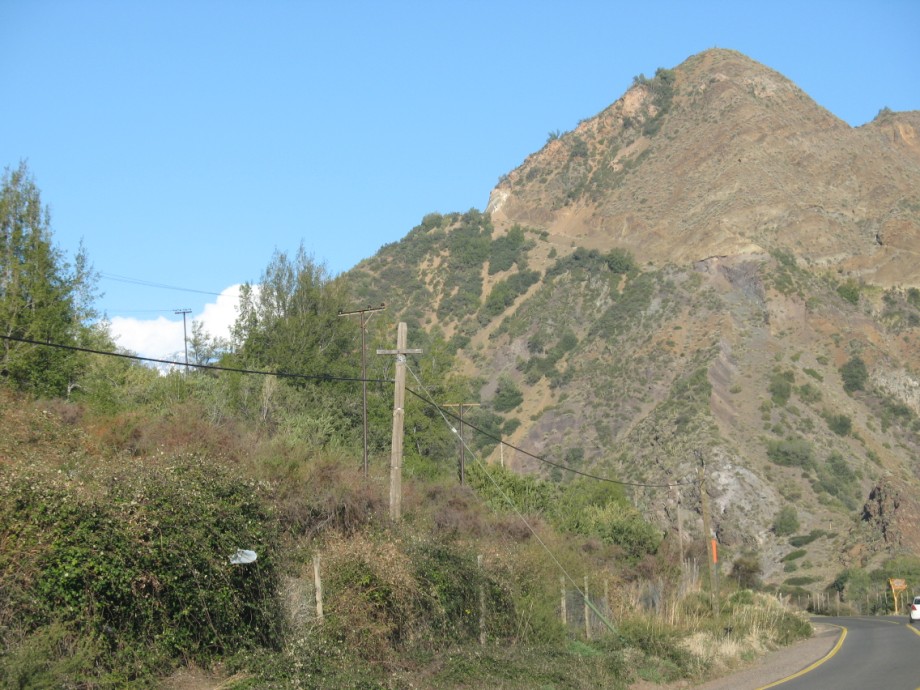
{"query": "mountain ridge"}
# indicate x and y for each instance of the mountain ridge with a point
(689, 274)
(757, 141)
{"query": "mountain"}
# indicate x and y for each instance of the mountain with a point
(713, 269)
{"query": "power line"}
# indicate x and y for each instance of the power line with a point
(149, 283)
(207, 367)
(348, 379)
(142, 311)
(521, 517)
(546, 460)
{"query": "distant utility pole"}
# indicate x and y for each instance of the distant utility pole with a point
(184, 334)
(711, 551)
(680, 526)
(460, 432)
(364, 317)
(399, 415)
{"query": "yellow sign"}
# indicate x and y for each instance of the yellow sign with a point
(897, 585)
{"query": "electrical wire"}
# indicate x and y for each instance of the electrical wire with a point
(351, 379)
(149, 283)
(206, 367)
(547, 461)
(428, 400)
(517, 512)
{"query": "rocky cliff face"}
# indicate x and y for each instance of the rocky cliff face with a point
(722, 156)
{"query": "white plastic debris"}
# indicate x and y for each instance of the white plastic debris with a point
(243, 556)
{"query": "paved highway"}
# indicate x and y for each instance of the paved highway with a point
(871, 654)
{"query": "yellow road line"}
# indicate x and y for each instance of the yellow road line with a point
(843, 635)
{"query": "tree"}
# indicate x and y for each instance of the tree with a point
(290, 321)
(747, 570)
(854, 374)
(786, 521)
(202, 347)
(507, 395)
(42, 297)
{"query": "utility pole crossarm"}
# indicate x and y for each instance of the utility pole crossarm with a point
(460, 406)
(364, 317)
(399, 414)
(184, 333)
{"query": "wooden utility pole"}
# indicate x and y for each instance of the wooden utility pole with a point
(564, 614)
(680, 527)
(364, 318)
(318, 584)
(460, 433)
(482, 603)
(399, 415)
(184, 334)
(587, 612)
(708, 536)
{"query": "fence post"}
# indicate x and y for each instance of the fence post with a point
(482, 603)
(587, 612)
(607, 597)
(565, 620)
(318, 582)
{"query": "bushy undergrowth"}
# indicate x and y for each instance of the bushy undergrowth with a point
(115, 568)
(123, 571)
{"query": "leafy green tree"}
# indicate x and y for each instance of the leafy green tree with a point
(290, 321)
(204, 348)
(507, 395)
(849, 291)
(42, 296)
(786, 521)
(854, 375)
(791, 452)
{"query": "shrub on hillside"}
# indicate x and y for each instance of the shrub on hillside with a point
(791, 452)
(786, 521)
(139, 563)
(855, 375)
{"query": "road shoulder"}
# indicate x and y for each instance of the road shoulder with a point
(781, 663)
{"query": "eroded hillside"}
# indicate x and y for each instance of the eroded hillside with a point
(713, 268)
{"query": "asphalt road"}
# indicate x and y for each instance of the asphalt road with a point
(871, 654)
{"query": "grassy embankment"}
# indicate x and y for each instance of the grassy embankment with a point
(116, 534)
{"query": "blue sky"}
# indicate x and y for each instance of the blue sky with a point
(185, 142)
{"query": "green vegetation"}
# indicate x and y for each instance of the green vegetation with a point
(661, 88)
(805, 539)
(840, 424)
(508, 250)
(505, 292)
(581, 507)
(849, 291)
(142, 568)
(123, 504)
(836, 478)
(786, 521)
(791, 452)
(536, 367)
(42, 296)
(794, 555)
(855, 375)
(747, 570)
(781, 383)
(787, 278)
(809, 393)
(507, 395)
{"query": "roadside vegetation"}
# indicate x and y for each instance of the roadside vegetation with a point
(158, 521)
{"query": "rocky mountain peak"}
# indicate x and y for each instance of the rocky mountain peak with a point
(722, 156)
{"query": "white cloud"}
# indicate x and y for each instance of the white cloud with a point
(161, 338)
